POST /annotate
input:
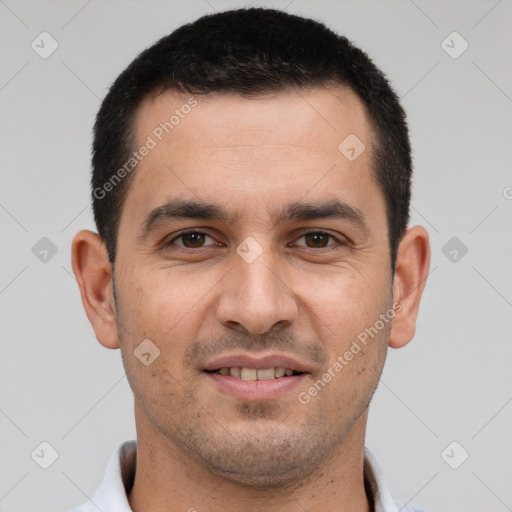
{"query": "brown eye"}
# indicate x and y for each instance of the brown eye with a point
(316, 240)
(191, 240)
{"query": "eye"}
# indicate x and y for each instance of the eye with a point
(317, 240)
(191, 239)
(197, 239)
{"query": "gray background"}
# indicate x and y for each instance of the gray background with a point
(452, 383)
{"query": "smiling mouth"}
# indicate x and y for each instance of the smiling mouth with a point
(251, 374)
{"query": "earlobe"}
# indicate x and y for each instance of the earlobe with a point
(411, 271)
(93, 273)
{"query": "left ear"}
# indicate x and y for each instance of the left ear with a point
(411, 271)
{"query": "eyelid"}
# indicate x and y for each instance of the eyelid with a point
(338, 240)
(187, 232)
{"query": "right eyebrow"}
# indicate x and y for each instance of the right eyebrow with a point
(180, 209)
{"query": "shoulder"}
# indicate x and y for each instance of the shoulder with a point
(378, 488)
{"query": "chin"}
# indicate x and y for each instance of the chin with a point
(262, 458)
(265, 475)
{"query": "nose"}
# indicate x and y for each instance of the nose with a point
(255, 298)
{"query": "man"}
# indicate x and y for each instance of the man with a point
(251, 189)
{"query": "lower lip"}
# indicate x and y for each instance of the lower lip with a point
(256, 389)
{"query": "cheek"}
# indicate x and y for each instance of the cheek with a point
(166, 307)
(153, 308)
(344, 304)
(345, 310)
(154, 301)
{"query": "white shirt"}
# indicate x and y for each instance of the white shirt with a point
(111, 495)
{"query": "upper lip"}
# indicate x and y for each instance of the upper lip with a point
(250, 361)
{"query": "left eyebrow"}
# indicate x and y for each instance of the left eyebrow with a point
(296, 211)
(333, 209)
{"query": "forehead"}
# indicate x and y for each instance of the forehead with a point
(249, 151)
(222, 119)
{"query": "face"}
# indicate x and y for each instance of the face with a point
(250, 246)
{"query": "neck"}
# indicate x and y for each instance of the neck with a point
(170, 479)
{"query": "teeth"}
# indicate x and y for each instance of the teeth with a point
(249, 374)
(235, 372)
(266, 374)
(280, 371)
(254, 374)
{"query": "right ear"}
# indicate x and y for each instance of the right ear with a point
(93, 272)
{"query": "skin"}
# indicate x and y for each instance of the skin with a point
(197, 446)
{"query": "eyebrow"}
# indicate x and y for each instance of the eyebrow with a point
(333, 209)
(296, 211)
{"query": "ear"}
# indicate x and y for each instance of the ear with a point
(93, 273)
(411, 271)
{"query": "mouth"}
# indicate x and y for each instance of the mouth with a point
(255, 379)
(251, 374)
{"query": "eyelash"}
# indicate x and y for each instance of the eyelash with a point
(192, 231)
